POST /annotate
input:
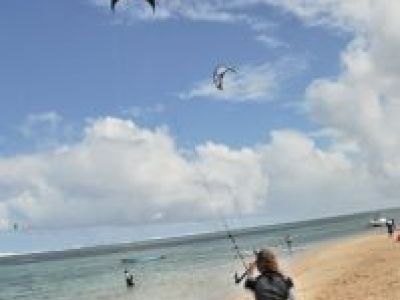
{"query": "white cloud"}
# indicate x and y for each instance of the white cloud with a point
(343, 14)
(120, 173)
(207, 11)
(251, 83)
(340, 14)
(363, 102)
(307, 181)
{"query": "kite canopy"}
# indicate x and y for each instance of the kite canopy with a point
(152, 3)
(219, 74)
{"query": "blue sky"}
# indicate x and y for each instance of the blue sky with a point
(81, 62)
(112, 119)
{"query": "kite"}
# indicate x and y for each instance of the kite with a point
(152, 3)
(219, 74)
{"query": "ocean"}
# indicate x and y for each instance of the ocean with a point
(192, 268)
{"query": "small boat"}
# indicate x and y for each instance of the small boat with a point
(142, 259)
(378, 221)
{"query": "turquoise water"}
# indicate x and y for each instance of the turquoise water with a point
(199, 270)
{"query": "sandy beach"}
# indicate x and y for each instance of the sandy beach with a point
(361, 268)
(365, 267)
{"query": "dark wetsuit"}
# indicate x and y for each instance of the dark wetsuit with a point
(271, 286)
(390, 228)
(129, 280)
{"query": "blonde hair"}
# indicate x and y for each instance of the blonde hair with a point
(267, 262)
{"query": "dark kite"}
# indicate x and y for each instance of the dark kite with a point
(152, 3)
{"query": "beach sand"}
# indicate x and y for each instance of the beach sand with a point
(362, 268)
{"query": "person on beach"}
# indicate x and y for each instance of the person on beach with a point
(270, 284)
(129, 279)
(390, 227)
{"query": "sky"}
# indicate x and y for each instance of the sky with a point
(113, 120)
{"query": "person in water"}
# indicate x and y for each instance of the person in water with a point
(289, 242)
(129, 279)
(270, 283)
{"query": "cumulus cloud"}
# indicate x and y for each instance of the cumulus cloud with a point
(251, 83)
(120, 173)
(359, 107)
(310, 181)
(363, 101)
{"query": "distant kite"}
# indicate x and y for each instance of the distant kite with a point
(151, 2)
(219, 74)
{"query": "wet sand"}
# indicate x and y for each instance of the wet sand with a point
(361, 268)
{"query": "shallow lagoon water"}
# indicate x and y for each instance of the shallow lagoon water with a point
(199, 270)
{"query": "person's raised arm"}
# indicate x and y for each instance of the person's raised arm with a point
(250, 280)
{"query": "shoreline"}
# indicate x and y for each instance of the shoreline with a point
(365, 266)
